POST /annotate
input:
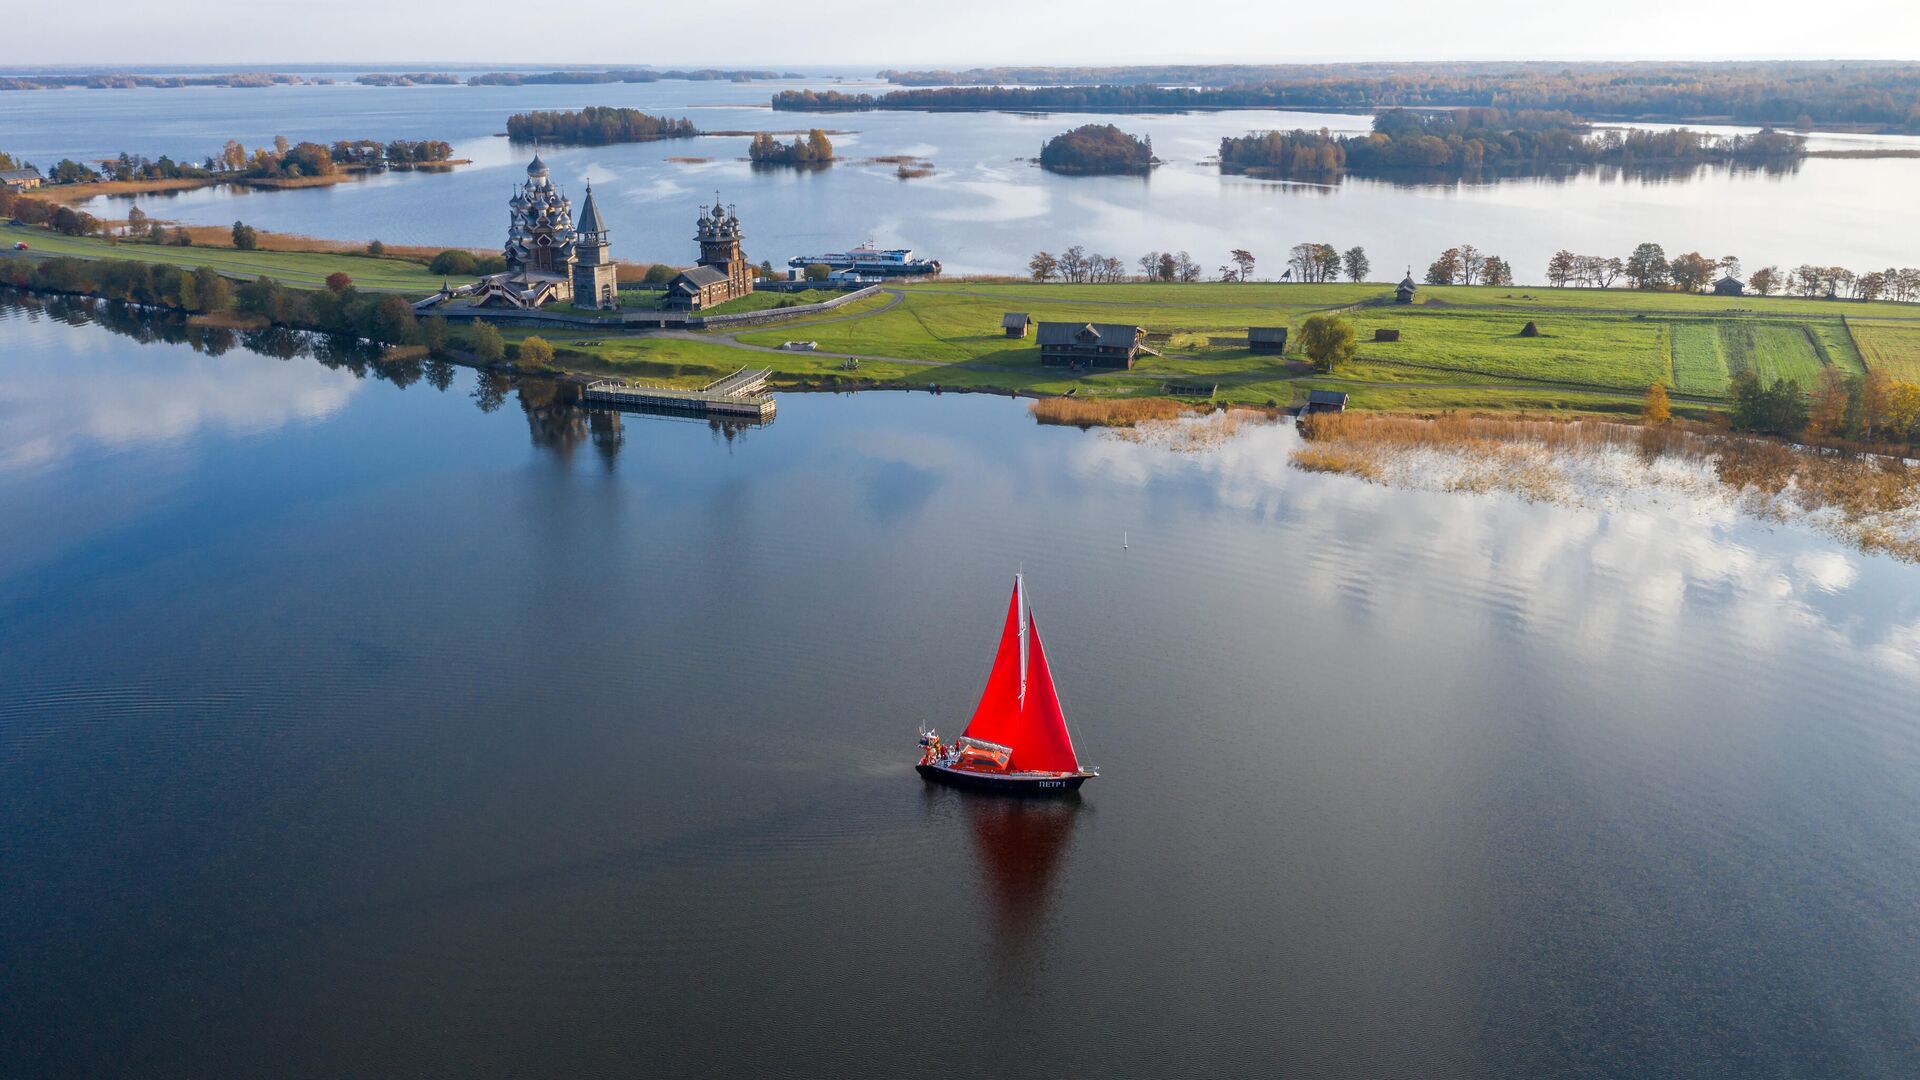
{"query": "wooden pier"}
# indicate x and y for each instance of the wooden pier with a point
(736, 397)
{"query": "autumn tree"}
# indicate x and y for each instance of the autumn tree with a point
(1072, 264)
(1832, 399)
(1876, 390)
(1188, 271)
(1764, 280)
(1655, 409)
(1445, 270)
(245, 238)
(1495, 270)
(1470, 264)
(1313, 262)
(1692, 272)
(1357, 264)
(1327, 340)
(535, 352)
(485, 342)
(1042, 266)
(1561, 268)
(1243, 260)
(1169, 266)
(338, 281)
(1648, 268)
(211, 292)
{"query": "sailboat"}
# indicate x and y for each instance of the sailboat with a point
(1017, 740)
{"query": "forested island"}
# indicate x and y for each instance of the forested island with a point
(1097, 150)
(812, 149)
(568, 78)
(1876, 94)
(123, 81)
(1465, 141)
(597, 125)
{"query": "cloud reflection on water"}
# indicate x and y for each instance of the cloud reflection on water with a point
(1630, 576)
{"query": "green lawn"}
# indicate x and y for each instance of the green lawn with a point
(1784, 351)
(1891, 347)
(961, 322)
(1699, 363)
(299, 269)
(1596, 350)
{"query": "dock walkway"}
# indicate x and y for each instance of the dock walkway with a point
(738, 396)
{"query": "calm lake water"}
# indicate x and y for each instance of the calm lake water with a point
(986, 208)
(349, 728)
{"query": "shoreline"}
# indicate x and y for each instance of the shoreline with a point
(75, 194)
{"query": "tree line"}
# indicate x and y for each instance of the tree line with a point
(1310, 262)
(1799, 93)
(1467, 140)
(597, 125)
(282, 160)
(1649, 268)
(338, 309)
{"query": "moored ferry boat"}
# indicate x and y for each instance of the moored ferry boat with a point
(869, 261)
(1017, 741)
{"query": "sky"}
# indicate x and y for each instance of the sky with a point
(943, 33)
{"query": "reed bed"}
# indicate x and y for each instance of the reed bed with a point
(1086, 413)
(1872, 501)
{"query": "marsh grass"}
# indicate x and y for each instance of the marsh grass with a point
(1086, 413)
(1872, 501)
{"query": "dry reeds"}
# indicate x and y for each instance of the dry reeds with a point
(1105, 412)
(1872, 501)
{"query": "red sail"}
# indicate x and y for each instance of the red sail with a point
(997, 719)
(1043, 744)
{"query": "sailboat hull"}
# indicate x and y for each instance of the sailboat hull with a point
(1019, 783)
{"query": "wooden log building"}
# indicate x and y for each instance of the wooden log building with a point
(1089, 345)
(1267, 339)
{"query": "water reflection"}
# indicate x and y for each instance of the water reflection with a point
(90, 398)
(1021, 845)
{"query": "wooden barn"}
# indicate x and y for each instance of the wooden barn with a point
(1267, 339)
(1089, 345)
(1015, 323)
(1729, 286)
(1319, 401)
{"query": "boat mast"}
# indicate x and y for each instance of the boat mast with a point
(1020, 596)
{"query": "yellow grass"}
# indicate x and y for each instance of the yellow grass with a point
(1105, 412)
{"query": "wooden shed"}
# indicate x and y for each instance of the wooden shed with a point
(1267, 339)
(1015, 323)
(1319, 401)
(1729, 286)
(1089, 345)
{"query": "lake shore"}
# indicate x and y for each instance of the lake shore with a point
(75, 194)
(1457, 347)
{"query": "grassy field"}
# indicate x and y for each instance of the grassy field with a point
(1463, 352)
(1590, 350)
(1891, 347)
(1699, 362)
(301, 269)
(1771, 351)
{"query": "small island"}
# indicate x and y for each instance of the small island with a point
(597, 125)
(815, 149)
(1098, 150)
